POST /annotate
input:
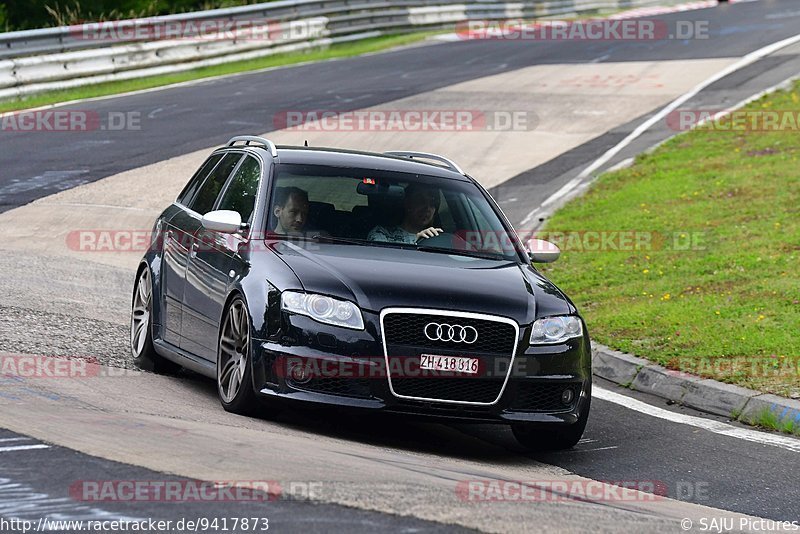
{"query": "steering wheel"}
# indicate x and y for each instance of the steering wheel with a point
(447, 240)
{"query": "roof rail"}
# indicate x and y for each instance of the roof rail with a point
(450, 164)
(269, 145)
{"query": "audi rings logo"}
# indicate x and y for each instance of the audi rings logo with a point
(451, 332)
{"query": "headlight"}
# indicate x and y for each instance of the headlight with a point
(323, 309)
(556, 329)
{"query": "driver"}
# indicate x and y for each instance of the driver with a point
(291, 210)
(420, 205)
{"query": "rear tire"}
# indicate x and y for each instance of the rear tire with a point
(142, 349)
(537, 437)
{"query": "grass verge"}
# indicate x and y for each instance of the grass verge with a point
(709, 283)
(365, 46)
(769, 420)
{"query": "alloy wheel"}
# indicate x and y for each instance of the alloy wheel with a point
(234, 345)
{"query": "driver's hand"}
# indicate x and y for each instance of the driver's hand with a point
(429, 232)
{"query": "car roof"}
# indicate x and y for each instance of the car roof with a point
(336, 157)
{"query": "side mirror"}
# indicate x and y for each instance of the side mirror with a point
(541, 251)
(224, 221)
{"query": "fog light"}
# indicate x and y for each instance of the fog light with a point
(300, 374)
(567, 396)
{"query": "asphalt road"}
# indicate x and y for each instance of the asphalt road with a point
(183, 119)
(620, 444)
(56, 484)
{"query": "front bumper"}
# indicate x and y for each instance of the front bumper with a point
(348, 370)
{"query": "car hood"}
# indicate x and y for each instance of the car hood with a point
(378, 277)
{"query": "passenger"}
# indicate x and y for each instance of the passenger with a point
(291, 210)
(420, 206)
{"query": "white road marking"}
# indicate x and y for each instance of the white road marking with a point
(20, 501)
(6, 440)
(747, 60)
(569, 186)
(717, 427)
(782, 15)
(590, 113)
(597, 449)
(92, 205)
(622, 164)
(24, 447)
(58, 180)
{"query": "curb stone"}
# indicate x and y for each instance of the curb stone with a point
(784, 410)
(616, 366)
(718, 398)
(735, 402)
(664, 383)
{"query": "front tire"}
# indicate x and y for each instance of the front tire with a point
(538, 437)
(142, 349)
(234, 362)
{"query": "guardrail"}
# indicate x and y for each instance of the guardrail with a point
(69, 56)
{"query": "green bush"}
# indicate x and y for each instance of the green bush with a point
(29, 14)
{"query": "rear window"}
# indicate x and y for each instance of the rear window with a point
(191, 188)
(240, 196)
(206, 196)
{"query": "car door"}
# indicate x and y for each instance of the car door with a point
(188, 225)
(175, 255)
(211, 261)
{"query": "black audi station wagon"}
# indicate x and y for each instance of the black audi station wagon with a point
(390, 282)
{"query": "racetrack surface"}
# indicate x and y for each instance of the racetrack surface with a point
(55, 300)
(176, 121)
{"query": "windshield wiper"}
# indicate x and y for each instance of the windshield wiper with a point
(354, 241)
(287, 237)
(423, 248)
(334, 239)
(458, 252)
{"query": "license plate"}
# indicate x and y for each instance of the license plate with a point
(456, 364)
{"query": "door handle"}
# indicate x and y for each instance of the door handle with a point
(193, 251)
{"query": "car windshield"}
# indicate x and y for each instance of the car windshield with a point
(352, 206)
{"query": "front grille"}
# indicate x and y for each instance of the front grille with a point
(440, 408)
(348, 387)
(408, 329)
(405, 338)
(543, 397)
(454, 389)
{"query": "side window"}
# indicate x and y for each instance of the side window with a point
(203, 202)
(445, 215)
(241, 193)
(191, 188)
(480, 218)
(489, 234)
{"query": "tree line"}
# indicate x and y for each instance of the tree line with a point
(30, 14)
